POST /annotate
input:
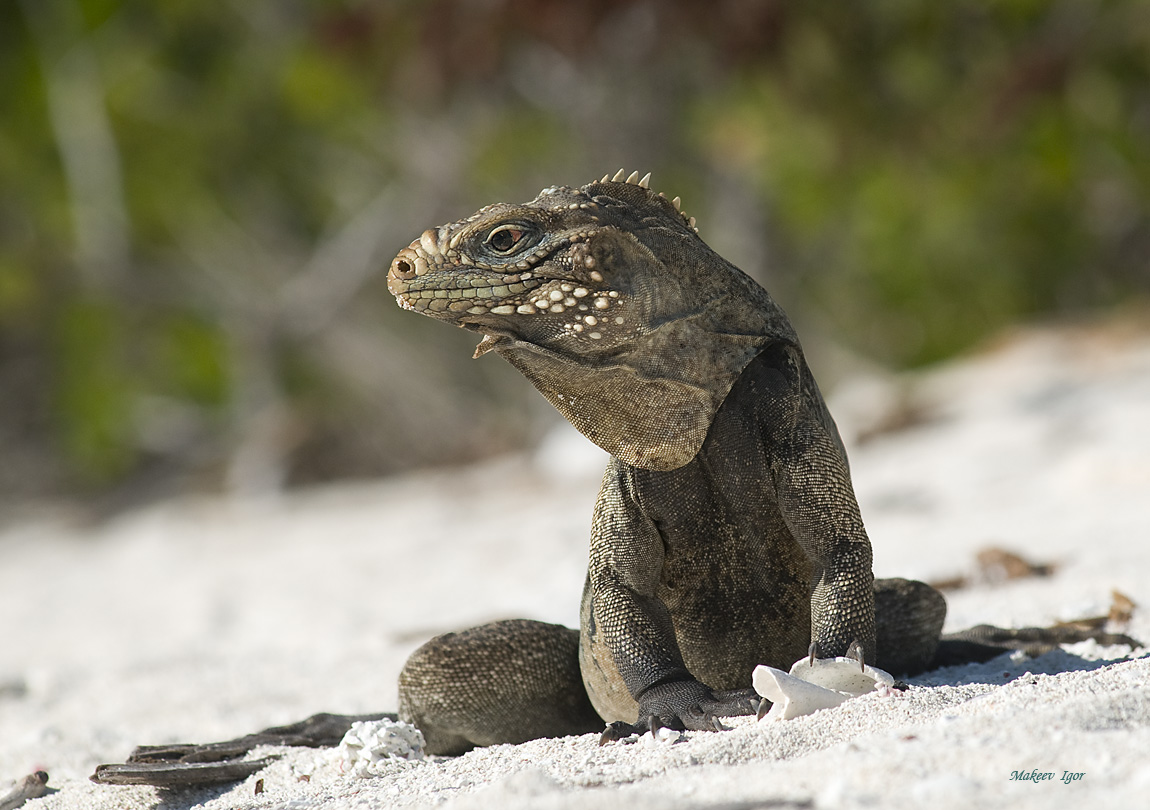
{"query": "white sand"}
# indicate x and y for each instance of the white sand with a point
(202, 621)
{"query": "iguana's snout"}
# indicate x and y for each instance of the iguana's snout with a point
(432, 276)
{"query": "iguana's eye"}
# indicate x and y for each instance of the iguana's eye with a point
(504, 238)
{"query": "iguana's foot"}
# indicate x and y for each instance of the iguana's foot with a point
(684, 706)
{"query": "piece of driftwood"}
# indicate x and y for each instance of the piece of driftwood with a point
(184, 765)
(179, 774)
(32, 786)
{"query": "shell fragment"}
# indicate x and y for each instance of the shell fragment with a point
(823, 685)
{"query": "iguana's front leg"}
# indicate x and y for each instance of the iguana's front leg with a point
(632, 666)
(813, 489)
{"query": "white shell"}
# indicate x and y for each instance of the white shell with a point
(823, 685)
(841, 674)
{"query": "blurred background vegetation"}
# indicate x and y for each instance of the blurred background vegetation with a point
(199, 200)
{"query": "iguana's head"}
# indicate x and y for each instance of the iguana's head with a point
(608, 301)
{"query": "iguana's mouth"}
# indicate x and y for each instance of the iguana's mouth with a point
(460, 292)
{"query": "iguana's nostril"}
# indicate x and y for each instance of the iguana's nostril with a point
(402, 268)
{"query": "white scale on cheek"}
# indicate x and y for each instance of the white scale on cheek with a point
(557, 301)
(601, 302)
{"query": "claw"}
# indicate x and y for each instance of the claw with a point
(855, 651)
(764, 707)
(616, 731)
(717, 725)
(813, 653)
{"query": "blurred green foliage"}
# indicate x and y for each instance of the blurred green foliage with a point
(198, 199)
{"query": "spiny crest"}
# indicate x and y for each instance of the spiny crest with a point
(644, 182)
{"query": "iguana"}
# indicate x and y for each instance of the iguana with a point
(726, 533)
